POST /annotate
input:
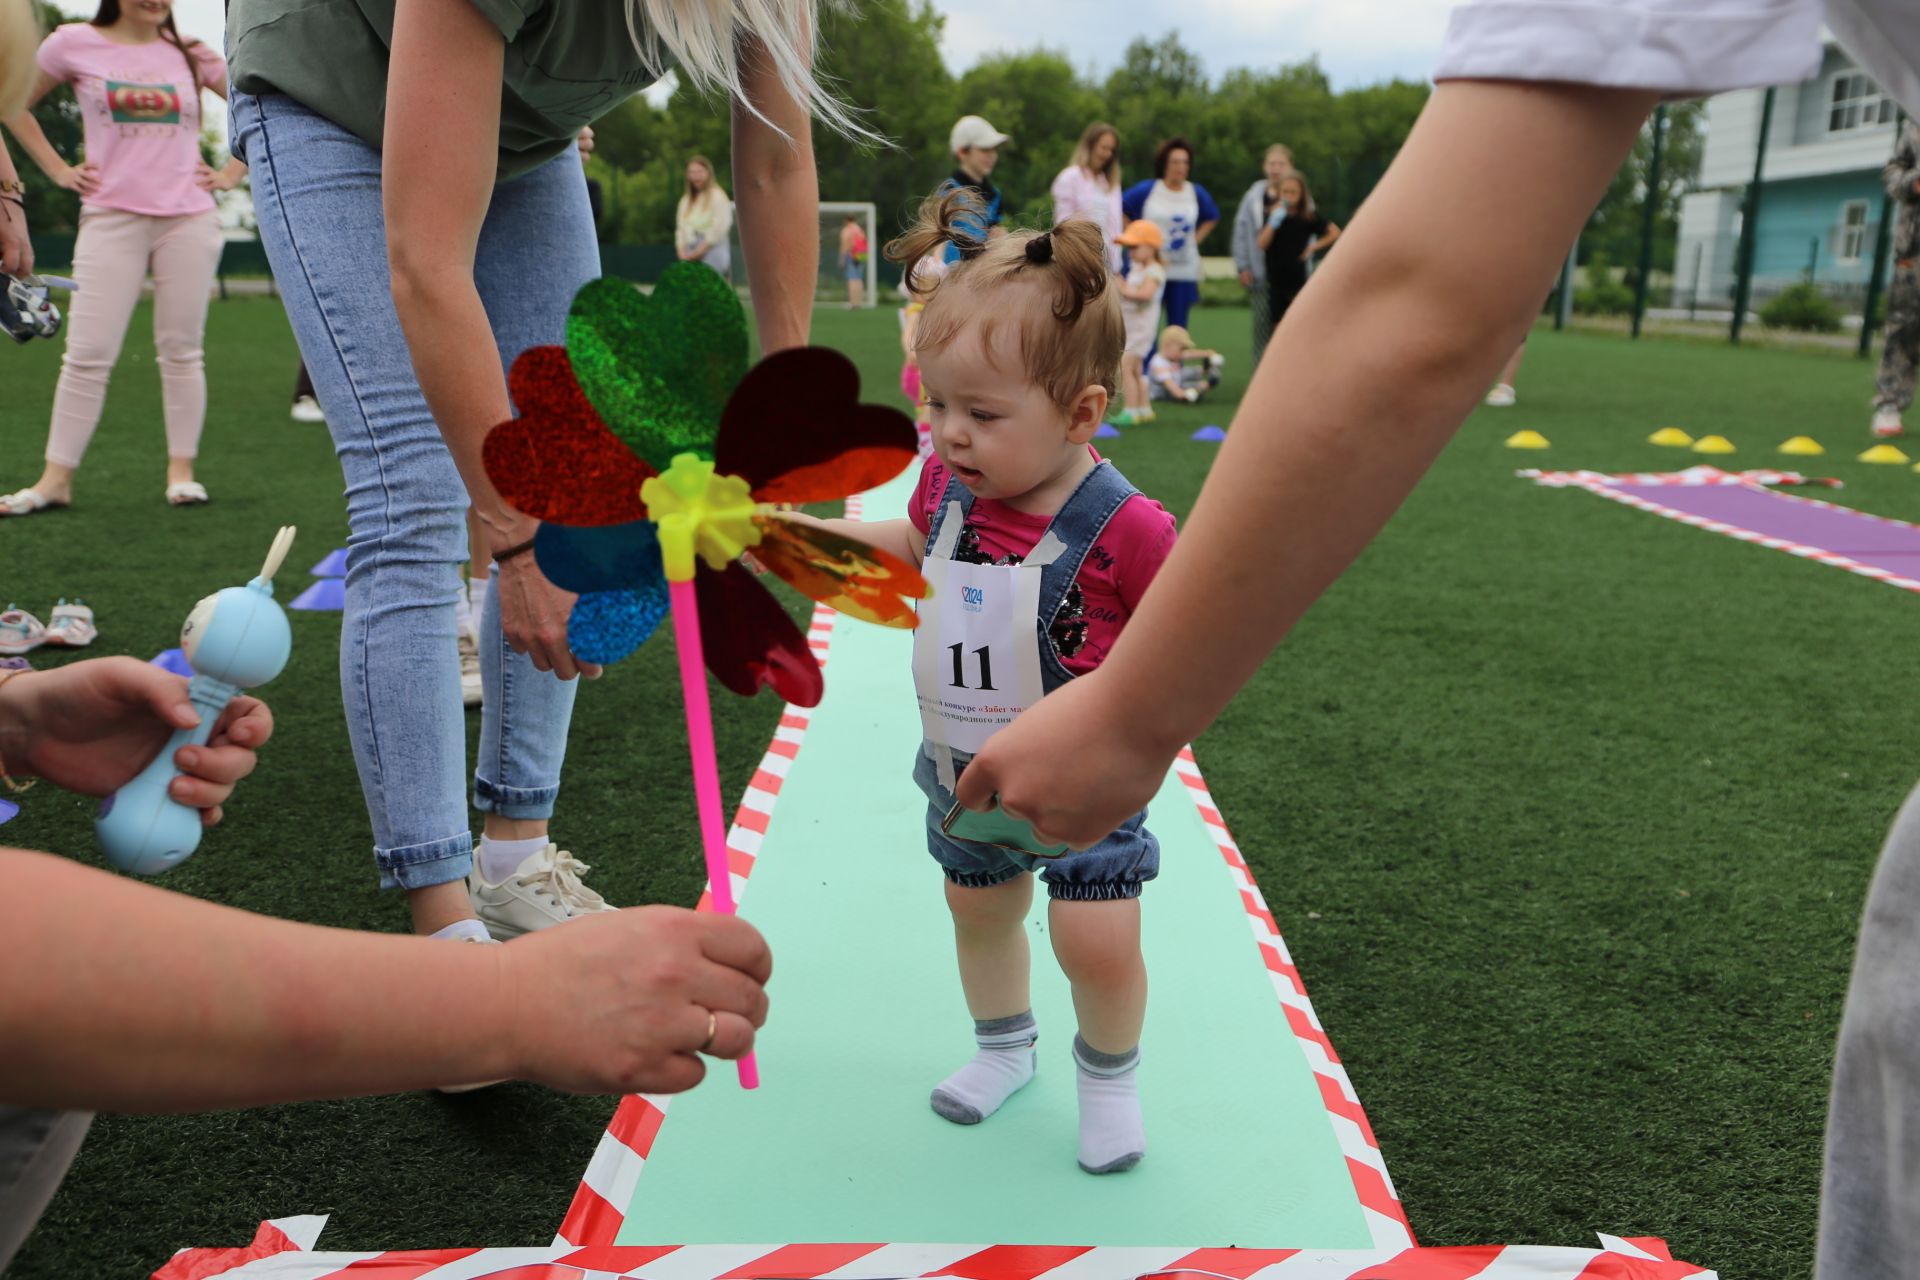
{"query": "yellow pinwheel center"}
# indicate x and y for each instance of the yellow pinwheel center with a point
(699, 512)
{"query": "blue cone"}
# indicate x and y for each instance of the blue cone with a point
(1210, 433)
(326, 595)
(172, 660)
(334, 566)
(1106, 431)
(7, 809)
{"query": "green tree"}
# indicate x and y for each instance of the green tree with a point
(1615, 228)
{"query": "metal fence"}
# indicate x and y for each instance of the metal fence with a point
(1801, 253)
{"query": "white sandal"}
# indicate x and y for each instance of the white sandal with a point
(187, 493)
(20, 632)
(26, 502)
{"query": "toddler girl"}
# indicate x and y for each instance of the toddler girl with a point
(1039, 551)
(1140, 295)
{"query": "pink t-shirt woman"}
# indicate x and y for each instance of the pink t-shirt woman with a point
(146, 204)
(1083, 193)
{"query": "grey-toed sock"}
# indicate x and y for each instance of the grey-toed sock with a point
(1003, 1064)
(1113, 1137)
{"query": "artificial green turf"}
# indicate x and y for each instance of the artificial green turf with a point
(1566, 811)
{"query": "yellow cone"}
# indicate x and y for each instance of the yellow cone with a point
(1805, 446)
(1672, 437)
(1713, 444)
(1883, 453)
(1526, 440)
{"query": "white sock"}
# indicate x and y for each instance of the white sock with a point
(463, 931)
(477, 589)
(1112, 1135)
(1003, 1064)
(463, 614)
(498, 859)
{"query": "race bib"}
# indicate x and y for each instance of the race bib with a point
(975, 663)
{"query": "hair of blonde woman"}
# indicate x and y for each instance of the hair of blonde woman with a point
(1083, 151)
(1069, 330)
(706, 37)
(705, 194)
(1282, 150)
(19, 38)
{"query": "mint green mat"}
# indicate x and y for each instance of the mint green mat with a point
(839, 1144)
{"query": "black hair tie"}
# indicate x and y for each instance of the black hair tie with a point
(1040, 249)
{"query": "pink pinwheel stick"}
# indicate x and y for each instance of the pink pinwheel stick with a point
(706, 769)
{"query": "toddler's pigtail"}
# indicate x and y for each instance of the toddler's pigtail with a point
(1076, 254)
(947, 218)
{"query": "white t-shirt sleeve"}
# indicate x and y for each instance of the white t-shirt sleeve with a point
(1681, 47)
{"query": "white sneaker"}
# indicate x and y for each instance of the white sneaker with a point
(544, 890)
(1502, 396)
(1887, 424)
(470, 685)
(307, 409)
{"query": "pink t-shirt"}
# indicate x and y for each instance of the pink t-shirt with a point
(142, 116)
(1113, 577)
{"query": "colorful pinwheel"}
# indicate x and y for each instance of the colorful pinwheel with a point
(655, 457)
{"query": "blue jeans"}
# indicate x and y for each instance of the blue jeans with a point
(316, 192)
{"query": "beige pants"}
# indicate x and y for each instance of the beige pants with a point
(111, 258)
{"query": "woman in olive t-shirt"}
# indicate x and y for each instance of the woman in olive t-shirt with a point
(427, 220)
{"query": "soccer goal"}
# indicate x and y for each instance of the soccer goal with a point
(832, 285)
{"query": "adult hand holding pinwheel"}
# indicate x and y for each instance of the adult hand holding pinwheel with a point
(654, 456)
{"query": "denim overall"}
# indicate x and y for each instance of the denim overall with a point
(1118, 865)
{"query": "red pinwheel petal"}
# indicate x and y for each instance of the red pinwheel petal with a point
(750, 640)
(796, 431)
(557, 461)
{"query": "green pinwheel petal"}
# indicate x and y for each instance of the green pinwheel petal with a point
(659, 368)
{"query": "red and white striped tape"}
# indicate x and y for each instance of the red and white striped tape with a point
(281, 1251)
(1609, 488)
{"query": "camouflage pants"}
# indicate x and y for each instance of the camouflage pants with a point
(1894, 388)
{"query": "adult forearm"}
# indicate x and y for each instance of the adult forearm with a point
(33, 141)
(146, 1000)
(1334, 432)
(777, 203)
(458, 365)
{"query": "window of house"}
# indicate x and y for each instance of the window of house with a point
(1851, 241)
(1857, 103)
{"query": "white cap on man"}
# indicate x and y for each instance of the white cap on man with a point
(972, 131)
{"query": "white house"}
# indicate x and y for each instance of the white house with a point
(1820, 196)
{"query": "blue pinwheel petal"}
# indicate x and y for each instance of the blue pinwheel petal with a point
(611, 557)
(606, 626)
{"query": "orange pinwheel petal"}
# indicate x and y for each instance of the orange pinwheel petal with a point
(841, 573)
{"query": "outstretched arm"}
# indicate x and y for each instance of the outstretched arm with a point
(1331, 436)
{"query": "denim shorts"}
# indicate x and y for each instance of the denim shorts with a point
(1116, 867)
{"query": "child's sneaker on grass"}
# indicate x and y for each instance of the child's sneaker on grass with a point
(1502, 396)
(1887, 424)
(20, 632)
(543, 890)
(70, 626)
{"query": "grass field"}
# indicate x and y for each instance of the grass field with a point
(1566, 811)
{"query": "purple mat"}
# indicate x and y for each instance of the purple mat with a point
(1848, 539)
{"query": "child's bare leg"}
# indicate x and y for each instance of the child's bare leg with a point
(1098, 946)
(1133, 384)
(990, 939)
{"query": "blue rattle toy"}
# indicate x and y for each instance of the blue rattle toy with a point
(234, 639)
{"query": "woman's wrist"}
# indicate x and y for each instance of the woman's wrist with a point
(16, 724)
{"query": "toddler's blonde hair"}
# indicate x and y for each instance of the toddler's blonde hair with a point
(1175, 336)
(19, 39)
(1069, 326)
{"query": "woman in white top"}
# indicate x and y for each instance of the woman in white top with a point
(1549, 95)
(703, 219)
(1185, 213)
(1089, 187)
